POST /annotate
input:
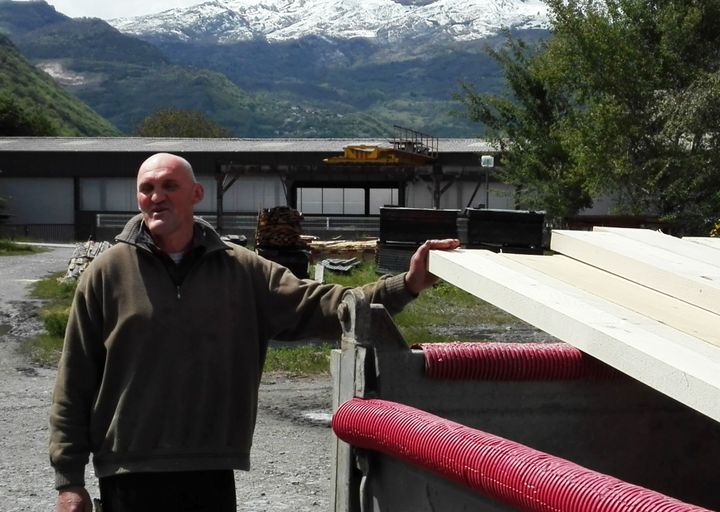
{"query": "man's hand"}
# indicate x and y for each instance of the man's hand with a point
(73, 499)
(418, 278)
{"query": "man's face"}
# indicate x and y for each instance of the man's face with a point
(166, 195)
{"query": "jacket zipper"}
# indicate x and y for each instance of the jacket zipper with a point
(178, 286)
(196, 264)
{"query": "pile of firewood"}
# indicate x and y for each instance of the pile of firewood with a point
(279, 227)
(82, 257)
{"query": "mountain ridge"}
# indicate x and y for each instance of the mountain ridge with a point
(229, 21)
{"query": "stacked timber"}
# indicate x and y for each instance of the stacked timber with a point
(279, 238)
(279, 227)
(364, 250)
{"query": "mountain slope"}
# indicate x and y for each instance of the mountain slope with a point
(89, 39)
(399, 62)
(126, 79)
(34, 89)
(331, 68)
(21, 17)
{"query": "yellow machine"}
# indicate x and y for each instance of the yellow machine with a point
(377, 155)
(408, 148)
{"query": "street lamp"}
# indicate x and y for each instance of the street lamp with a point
(487, 161)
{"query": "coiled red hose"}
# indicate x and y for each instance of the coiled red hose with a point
(502, 470)
(511, 361)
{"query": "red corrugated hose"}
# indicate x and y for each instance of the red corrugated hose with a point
(511, 361)
(503, 470)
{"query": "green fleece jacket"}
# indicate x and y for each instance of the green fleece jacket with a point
(161, 372)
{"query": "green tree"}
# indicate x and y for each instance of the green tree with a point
(639, 81)
(524, 126)
(172, 122)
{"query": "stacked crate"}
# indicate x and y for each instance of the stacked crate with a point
(515, 231)
(403, 230)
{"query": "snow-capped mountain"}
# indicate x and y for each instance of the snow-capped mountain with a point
(228, 21)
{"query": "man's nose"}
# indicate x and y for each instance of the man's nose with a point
(157, 196)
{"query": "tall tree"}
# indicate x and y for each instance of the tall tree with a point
(639, 81)
(173, 122)
(524, 126)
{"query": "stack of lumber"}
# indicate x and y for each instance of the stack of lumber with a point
(279, 227)
(643, 302)
(364, 250)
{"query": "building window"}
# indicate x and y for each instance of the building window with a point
(380, 197)
(344, 201)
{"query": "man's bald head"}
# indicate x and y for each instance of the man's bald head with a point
(165, 161)
(167, 193)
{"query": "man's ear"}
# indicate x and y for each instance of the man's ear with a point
(198, 193)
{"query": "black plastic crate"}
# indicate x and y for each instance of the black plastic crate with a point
(399, 224)
(394, 258)
(295, 260)
(505, 230)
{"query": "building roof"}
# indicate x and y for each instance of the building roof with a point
(184, 145)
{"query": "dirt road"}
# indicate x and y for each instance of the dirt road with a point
(291, 452)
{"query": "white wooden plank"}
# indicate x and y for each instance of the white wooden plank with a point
(660, 307)
(707, 241)
(679, 276)
(671, 243)
(675, 363)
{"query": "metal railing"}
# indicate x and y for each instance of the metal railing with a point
(43, 232)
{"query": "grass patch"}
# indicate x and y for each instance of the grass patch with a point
(10, 248)
(437, 313)
(301, 360)
(45, 349)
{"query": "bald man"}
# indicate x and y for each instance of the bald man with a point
(164, 351)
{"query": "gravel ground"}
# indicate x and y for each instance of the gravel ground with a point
(292, 448)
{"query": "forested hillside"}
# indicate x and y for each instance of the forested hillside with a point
(31, 96)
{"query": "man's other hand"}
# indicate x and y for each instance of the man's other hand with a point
(418, 278)
(74, 499)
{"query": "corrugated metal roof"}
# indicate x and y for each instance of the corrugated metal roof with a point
(142, 144)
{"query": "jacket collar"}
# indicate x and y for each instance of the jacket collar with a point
(135, 233)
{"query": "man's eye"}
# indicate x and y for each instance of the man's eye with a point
(145, 190)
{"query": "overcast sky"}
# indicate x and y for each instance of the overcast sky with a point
(108, 9)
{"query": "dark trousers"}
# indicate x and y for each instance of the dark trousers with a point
(187, 491)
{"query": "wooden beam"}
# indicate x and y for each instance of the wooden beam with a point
(662, 270)
(675, 363)
(707, 241)
(660, 307)
(660, 240)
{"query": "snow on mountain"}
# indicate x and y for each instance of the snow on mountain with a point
(226, 21)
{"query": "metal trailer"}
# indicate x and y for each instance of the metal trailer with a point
(608, 425)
